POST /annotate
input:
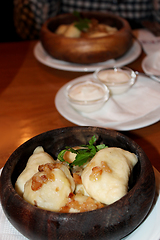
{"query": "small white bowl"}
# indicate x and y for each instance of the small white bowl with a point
(118, 79)
(87, 96)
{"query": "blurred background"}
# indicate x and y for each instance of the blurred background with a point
(7, 29)
(44, 9)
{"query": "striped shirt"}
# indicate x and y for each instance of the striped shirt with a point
(29, 15)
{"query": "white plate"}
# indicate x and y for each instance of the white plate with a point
(151, 65)
(148, 230)
(131, 110)
(46, 59)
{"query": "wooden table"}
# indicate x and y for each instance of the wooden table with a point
(27, 92)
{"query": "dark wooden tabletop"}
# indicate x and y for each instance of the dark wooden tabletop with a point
(27, 92)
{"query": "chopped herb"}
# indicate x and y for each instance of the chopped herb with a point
(87, 152)
(61, 154)
(77, 14)
(82, 23)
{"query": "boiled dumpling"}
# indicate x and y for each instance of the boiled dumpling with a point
(106, 176)
(38, 157)
(50, 187)
(61, 29)
(80, 203)
(72, 32)
(68, 31)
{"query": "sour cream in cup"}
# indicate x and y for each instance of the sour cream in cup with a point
(118, 80)
(87, 95)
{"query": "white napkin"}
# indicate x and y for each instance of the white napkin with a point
(7, 231)
(149, 42)
(156, 61)
(151, 64)
(142, 98)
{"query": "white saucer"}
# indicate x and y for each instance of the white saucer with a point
(41, 55)
(148, 230)
(128, 111)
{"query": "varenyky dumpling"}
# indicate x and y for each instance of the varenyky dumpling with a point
(68, 31)
(80, 203)
(38, 157)
(106, 176)
(50, 187)
(49, 184)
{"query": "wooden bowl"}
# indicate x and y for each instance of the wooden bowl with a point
(111, 222)
(86, 50)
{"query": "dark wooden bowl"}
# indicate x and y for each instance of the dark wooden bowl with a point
(86, 50)
(111, 222)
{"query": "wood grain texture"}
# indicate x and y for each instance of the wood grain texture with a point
(86, 50)
(112, 222)
(27, 92)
